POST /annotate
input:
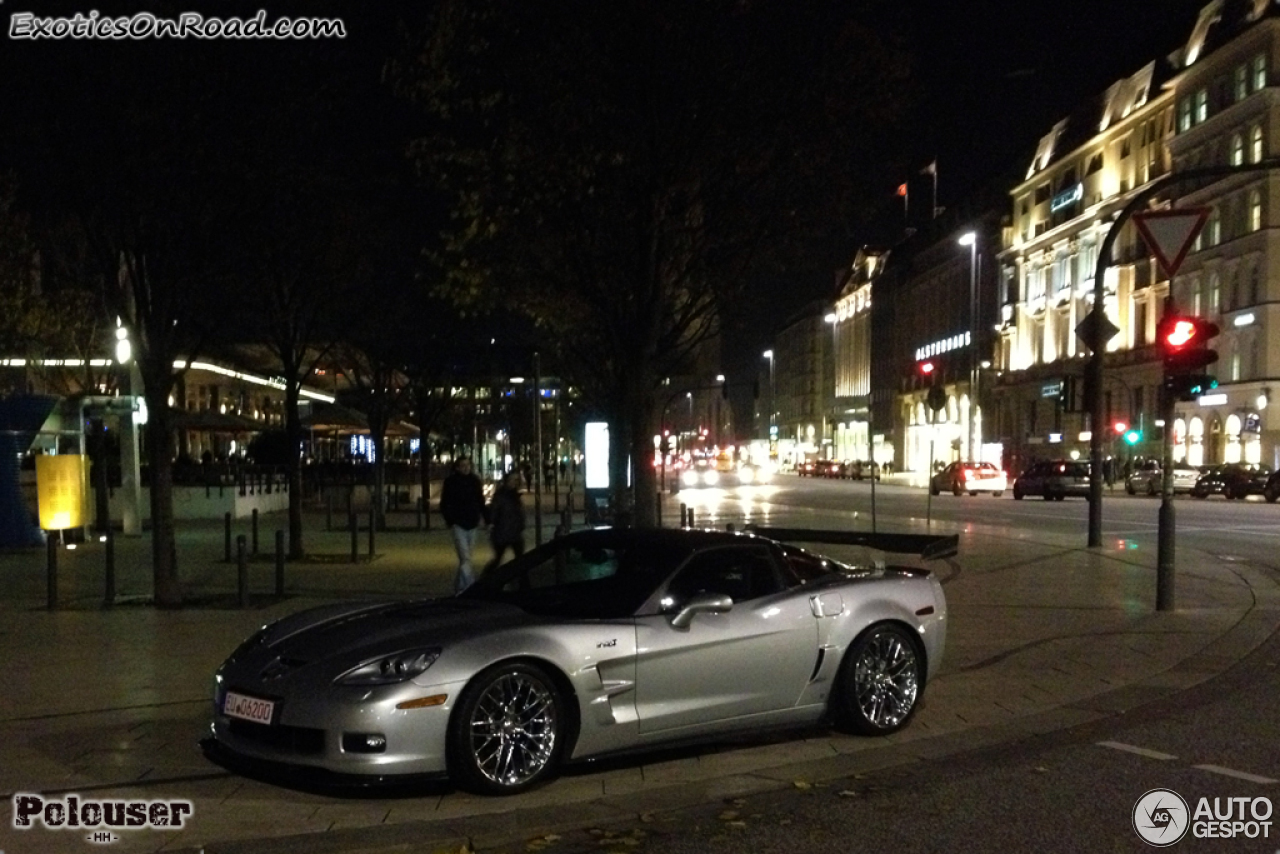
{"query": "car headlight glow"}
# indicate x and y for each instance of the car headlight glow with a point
(689, 477)
(746, 475)
(389, 669)
(711, 477)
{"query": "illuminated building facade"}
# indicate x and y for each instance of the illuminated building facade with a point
(1227, 113)
(1085, 169)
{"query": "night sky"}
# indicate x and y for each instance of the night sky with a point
(992, 77)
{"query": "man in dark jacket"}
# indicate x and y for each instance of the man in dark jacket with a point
(506, 519)
(462, 506)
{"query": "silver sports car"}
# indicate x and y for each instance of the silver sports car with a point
(597, 642)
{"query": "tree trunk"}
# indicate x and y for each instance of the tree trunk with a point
(379, 439)
(631, 446)
(164, 559)
(293, 468)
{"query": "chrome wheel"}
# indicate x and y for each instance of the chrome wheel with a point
(881, 682)
(507, 730)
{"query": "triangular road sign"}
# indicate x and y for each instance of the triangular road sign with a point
(1170, 233)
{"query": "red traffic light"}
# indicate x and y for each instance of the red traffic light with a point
(1184, 343)
(1120, 427)
(926, 368)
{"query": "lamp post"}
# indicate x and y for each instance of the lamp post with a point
(768, 354)
(970, 239)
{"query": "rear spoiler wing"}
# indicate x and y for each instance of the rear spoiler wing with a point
(928, 546)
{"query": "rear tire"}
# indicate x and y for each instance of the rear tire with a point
(880, 682)
(1017, 494)
(997, 494)
(956, 489)
(508, 731)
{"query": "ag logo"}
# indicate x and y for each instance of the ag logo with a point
(1160, 817)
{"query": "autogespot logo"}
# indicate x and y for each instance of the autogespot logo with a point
(1160, 817)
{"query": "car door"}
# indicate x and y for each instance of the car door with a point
(756, 657)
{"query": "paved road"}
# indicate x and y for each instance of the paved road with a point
(1073, 790)
(1235, 530)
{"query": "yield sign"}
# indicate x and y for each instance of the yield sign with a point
(1170, 233)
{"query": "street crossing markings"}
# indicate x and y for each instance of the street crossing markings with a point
(1230, 772)
(1141, 751)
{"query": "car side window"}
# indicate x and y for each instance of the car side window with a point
(741, 573)
(567, 565)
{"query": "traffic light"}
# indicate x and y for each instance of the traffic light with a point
(1120, 427)
(1133, 437)
(926, 369)
(1184, 349)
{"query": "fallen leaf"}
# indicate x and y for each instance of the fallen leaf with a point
(646, 817)
(737, 824)
(801, 784)
(1041, 769)
(728, 815)
(848, 793)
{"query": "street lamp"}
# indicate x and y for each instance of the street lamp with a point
(768, 354)
(970, 239)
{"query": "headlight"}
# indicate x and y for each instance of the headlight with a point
(746, 475)
(711, 478)
(689, 477)
(389, 669)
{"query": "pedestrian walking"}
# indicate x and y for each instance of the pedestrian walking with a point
(462, 506)
(506, 519)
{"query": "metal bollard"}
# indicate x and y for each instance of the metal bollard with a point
(729, 527)
(684, 515)
(226, 535)
(52, 545)
(691, 517)
(242, 572)
(255, 530)
(109, 597)
(279, 563)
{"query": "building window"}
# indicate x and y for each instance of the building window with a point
(1042, 193)
(1260, 72)
(1237, 150)
(1095, 164)
(1195, 298)
(1255, 209)
(1184, 115)
(1202, 105)
(1125, 146)
(1215, 227)
(1241, 82)
(1215, 293)
(1255, 144)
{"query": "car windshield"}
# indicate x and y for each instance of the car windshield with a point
(593, 575)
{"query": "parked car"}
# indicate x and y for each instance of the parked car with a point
(829, 468)
(1148, 479)
(1233, 480)
(598, 641)
(861, 470)
(1271, 489)
(959, 478)
(1054, 480)
(807, 467)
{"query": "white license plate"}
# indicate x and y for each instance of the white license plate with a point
(247, 708)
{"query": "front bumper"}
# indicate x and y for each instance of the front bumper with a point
(309, 731)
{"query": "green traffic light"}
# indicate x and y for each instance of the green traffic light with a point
(1133, 437)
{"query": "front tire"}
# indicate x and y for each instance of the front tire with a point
(880, 682)
(508, 731)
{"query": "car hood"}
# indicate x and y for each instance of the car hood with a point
(342, 637)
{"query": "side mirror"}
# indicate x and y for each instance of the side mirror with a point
(711, 603)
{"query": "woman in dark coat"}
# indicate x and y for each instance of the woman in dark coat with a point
(506, 519)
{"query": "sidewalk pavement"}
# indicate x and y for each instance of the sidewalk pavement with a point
(110, 703)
